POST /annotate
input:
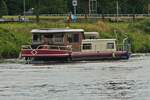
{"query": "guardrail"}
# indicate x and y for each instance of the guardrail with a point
(101, 15)
(49, 47)
(124, 47)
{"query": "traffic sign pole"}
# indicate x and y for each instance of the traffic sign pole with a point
(75, 11)
(74, 3)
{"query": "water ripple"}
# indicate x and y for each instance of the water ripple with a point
(98, 80)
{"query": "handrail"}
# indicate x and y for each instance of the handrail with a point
(100, 15)
(49, 47)
(26, 47)
(124, 40)
(123, 47)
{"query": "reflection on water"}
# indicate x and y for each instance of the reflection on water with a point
(99, 80)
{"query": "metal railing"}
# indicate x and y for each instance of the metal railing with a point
(49, 47)
(123, 47)
(101, 15)
(23, 47)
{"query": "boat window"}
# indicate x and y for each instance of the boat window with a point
(87, 46)
(36, 38)
(58, 38)
(110, 45)
(76, 38)
(73, 38)
(48, 38)
(45, 40)
(59, 35)
(70, 38)
(92, 37)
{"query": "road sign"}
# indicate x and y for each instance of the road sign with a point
(74, 2)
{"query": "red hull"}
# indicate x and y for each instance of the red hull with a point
(99, 55)
(44, 53)
(74, 55)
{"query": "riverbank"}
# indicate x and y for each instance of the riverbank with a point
(13, 35)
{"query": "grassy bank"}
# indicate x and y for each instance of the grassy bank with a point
(13, 35)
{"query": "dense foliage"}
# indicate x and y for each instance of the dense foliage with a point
(15, 7)
(3, 8)
(143, 26)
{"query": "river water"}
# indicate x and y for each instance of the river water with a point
(99, 80)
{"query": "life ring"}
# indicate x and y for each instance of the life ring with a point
(34, 52)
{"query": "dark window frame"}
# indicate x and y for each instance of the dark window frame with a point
(76, 38)
(37, 38)
(87, 46)
(111, 45)
(73, 38)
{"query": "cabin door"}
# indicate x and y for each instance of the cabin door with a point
(74, 39)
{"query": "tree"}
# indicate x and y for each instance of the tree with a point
(15, 7)
(3, 8)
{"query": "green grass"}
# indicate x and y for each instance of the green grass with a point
(13, 35)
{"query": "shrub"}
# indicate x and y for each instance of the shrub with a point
(143, 26)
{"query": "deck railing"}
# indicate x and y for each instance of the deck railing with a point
(125, 47)
(49, 47)
(26, 47)
(100, 15)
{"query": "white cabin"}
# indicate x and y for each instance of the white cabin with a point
(91, 35)
(96, 45)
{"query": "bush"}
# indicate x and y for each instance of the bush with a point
(10, 43)
(143, 26)
(3, 8)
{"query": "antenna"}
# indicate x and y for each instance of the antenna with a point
(92, 6)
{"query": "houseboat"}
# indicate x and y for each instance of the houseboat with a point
(70, 45)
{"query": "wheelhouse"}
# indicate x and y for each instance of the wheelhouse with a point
(60, 37)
